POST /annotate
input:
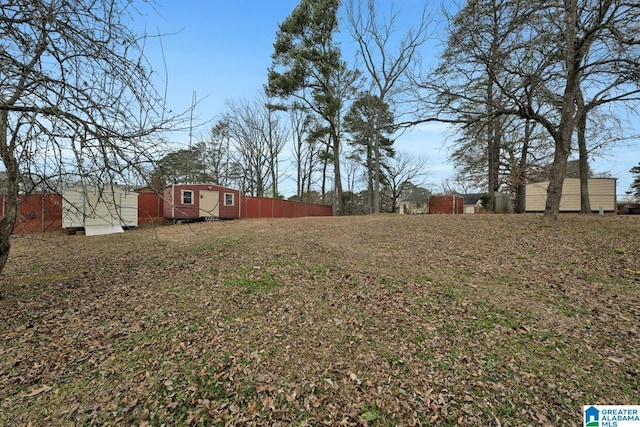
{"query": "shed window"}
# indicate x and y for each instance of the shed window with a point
(228, 199)
(187, 197)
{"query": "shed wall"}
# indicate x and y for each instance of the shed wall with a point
(73, 206)
(90, 206)
(175, 209)
(413, 207)
(602, 192)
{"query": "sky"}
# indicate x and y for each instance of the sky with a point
(220, 50)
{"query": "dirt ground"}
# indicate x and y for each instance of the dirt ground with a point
(502, 320)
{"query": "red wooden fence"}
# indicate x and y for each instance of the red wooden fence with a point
(264, 207)
(37, 213)
(43, 212)
(150, 208)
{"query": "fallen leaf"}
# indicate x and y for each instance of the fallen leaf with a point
(37, 391)
(354, 377)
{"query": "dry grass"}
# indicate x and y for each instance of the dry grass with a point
(380, 320)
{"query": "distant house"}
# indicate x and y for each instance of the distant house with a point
(194, 202)
(413, 207)
(472, 203)
(415, 204)
(602, 194)
(415, 201)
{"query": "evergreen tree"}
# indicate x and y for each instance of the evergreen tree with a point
(635, 185)
(370, 123)
(308, 66)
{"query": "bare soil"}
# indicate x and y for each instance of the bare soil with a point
(378, 320)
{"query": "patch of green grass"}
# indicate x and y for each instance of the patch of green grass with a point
(394, 360)
(49, 277)
(256, 285)
(176, 399)
(393, 283)
(232, 242)
(320, 269)
(423, 279)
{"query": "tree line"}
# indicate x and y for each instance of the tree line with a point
(523, 85)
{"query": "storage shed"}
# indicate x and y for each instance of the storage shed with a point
(195, 202)
(99, 210)
(446, 204)
(602, 194)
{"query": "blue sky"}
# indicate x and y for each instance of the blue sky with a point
(222, 50)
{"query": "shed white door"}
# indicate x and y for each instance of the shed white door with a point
(209, 203)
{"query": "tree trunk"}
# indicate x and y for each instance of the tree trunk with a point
(11, 202)
(585, 206)
(376, 155)
(336, 171)
(376, 173)
(370, 180)
(323, 187)
(493, 149)
(522, 169)
(562, 138)
(558, 174)
(309, 175)
(299, 161)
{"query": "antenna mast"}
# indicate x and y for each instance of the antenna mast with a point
(193, 106)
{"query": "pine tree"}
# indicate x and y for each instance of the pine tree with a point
(635, 185)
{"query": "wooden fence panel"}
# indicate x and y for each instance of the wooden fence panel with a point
(264, 207)
(43, 212)
(150, 208)
(36, 213)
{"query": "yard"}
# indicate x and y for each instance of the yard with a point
(501, 320)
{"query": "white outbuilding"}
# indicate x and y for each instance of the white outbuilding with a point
(99, 210)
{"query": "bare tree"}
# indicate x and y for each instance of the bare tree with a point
(249, 145)
(600, 50)
(402, 170)
(525, 149)
(76, 97)
(387, 58)
(276, 134)
(257, 137)
(548, 53)
(305, 148)
(467, 84)
(217, 152)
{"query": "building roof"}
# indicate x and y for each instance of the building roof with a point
(471, 198)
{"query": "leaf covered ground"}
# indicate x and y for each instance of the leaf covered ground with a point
(379, 320)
